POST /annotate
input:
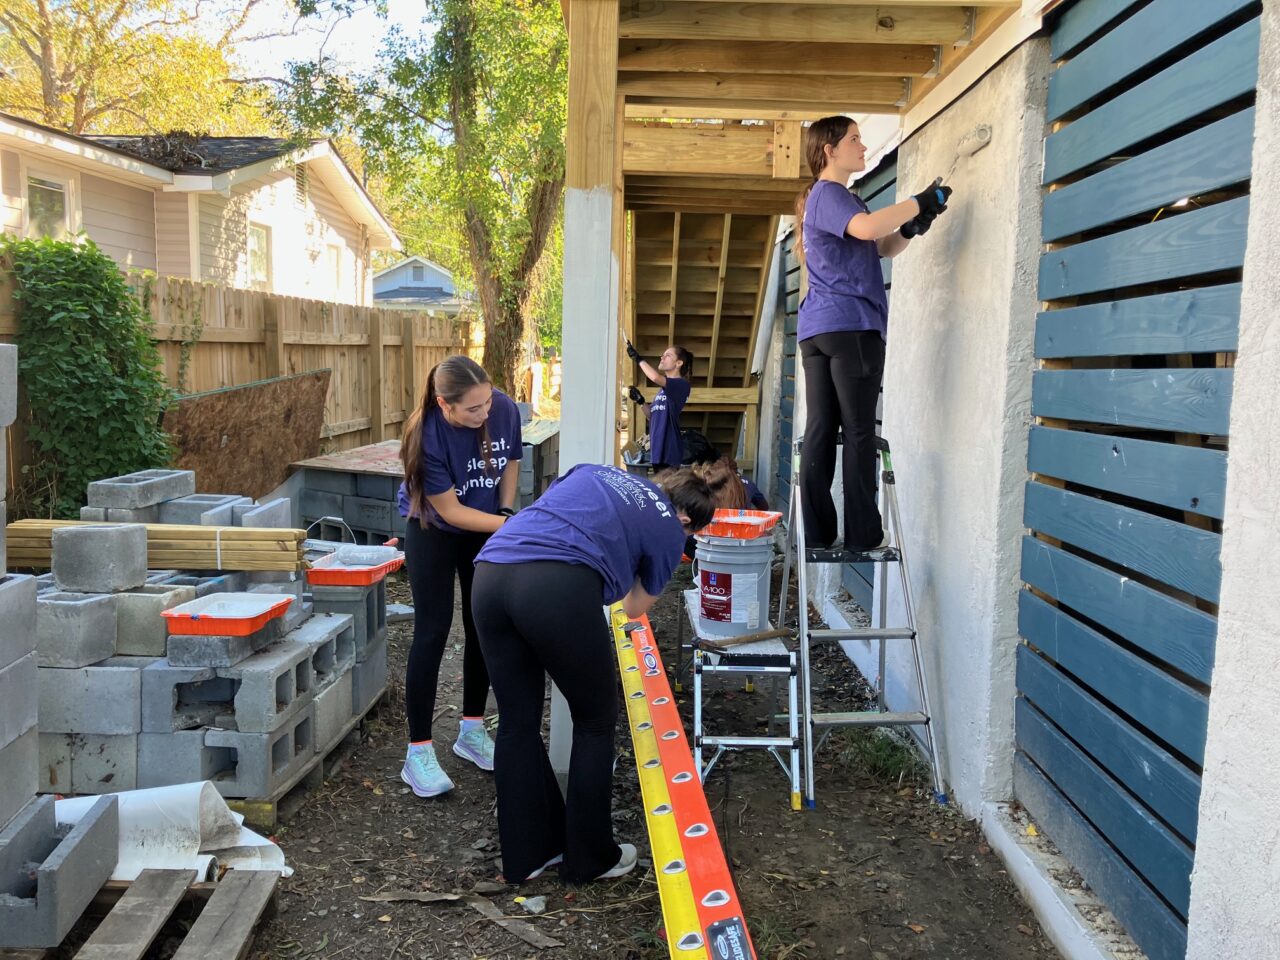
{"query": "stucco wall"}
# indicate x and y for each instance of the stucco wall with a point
(1237, 869)
(957, 410)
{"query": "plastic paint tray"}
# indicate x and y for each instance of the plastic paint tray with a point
(327, 572)
(226, 614)
(741, 524)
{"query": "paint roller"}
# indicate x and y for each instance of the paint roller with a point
(969, 144)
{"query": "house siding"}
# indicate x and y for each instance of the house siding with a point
(223, 239)
(173, 239)
(10, 193)
(121, 220)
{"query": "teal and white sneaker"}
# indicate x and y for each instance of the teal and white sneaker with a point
(475, 745)
(422, 772)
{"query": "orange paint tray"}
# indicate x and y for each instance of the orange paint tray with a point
(741, 524)
(226, 614)
(328, 572)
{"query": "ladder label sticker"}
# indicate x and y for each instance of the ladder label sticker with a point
(729, 940)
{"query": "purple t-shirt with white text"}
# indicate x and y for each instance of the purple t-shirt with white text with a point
(664, 422)
(846, 284)
(619, 525)
(451, 457)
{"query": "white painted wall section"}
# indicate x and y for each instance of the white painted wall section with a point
(1237, 868)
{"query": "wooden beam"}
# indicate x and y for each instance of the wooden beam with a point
(675, 271)
(771, 56)
(712, 395)
(730, 184)
(896, 3)
(709, 151)
(787, 135)
(885, 91)
(715, 321)
(697, 108)
(681, 206)
(986, 20)
(671, 20)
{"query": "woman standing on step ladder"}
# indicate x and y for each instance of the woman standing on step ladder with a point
(461, 455)
(841, 327)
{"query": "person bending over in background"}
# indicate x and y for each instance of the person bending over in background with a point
(461, 455)
(597, 536)
(675, 366)
(841, 327)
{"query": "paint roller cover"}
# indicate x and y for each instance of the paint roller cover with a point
(973, 141)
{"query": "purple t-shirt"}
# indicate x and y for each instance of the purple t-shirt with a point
(664, 422)
(619, 525)
(451, 457)
(846, 284)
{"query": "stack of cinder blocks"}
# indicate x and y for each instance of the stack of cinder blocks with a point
(47, 875)
(365, 502)
(169, 496)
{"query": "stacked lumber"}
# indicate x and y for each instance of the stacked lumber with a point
(172, 546)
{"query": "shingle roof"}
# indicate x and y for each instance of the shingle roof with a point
(220, 154)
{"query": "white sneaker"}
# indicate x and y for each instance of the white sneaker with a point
(477, 746)
(554, 861)
(422, 772)
(624, 866)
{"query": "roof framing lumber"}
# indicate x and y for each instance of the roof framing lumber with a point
(768, 56)
(885, 91)
(910, 24)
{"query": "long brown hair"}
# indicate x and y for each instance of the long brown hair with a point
(689, 494)
(821, 133)
(727, 489)
(449, 379)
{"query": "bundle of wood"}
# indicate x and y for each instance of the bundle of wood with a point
(172, 546)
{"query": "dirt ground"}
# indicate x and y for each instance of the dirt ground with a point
(877, 871)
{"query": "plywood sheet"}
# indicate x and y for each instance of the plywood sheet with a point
(243, 439)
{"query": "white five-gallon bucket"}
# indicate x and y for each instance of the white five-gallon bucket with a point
(733, 584)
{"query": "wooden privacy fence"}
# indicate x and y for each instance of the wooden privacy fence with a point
(211, 336)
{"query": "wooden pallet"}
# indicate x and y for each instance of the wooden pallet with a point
(231, 910)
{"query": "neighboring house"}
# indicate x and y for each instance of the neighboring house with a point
(421, 284)
(259, 214)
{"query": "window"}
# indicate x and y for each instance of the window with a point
(418, 273)
(333, 259)
(48, 207)
(259, 257)
(301, 184)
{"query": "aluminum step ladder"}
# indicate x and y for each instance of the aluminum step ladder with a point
(814, 724)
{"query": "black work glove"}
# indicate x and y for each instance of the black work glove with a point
(635, 395)
(919, 225)
(632, 352)
(933, 200)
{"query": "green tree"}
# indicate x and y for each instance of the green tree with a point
(125, 66)
(469, 118)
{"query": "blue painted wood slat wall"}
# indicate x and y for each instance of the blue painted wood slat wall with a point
(1080, 21)
(1196, 400)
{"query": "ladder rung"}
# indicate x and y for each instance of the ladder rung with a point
(883, 555)
(868, 718)
(750, 742)
(864, 633)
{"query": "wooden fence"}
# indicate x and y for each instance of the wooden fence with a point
(211, 336)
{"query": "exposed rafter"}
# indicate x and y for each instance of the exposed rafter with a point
(769, 56)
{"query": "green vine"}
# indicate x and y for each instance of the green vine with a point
(91, 372)
(192, 332)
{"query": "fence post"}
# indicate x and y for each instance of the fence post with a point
(377, 415)
(273, 337)
(410, 367)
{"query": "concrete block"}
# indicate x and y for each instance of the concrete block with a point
(204, 509)
(276, 513)
(141, 631)
(270, 687)
(183, 757)
(182, 698)
(297, 611)
(399, 612)
(149, 514)
(94, 514)
(102, 699)
(333, 712)
(104, 559)
(104, 764)
(367, 514)
(8, 383)
(17, 617)
(213, 583)
(369, 678)
(160, 576)
(330, 481)
(39, 907)
(145, 488)
(75, 629)
(45, 582)
(398, 523)
(320, 503)
(331, 639)
(20, 763)
(54, 775)
(377, 487)
(19, 699)
(367, 605)
(265, 762)
(185, 650)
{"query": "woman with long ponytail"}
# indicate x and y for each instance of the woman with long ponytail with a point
(461, 454)
(841, 327)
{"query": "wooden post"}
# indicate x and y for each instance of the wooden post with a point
(377, 413)
(786, 148)
(273, 337)
(715, 321)
(409, 348)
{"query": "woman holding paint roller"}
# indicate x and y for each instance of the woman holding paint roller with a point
(841, 327)
(597, 536)
(461, 454)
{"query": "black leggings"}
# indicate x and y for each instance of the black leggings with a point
(433, 557)
(842, 373)
(535, 619)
